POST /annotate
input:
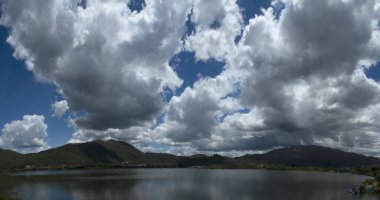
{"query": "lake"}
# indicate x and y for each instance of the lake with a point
(180, 184)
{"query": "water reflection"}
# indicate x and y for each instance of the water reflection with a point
(184, 184)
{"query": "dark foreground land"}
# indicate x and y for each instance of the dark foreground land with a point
(117, 154)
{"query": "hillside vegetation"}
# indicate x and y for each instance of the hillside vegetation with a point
(113, 153)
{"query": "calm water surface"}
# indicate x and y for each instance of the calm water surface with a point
(180, 184)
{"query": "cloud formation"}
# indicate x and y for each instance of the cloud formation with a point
(308, 81)
(108, 61)
(300, 73)
(217, 23)
(60, 108)
(293, 75)
(26, 135)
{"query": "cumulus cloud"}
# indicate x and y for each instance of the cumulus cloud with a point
(26, 135)
(307, 80)
(300, 73)
(133, 134)
(60, 108)
(217, 23)
(296, 76)
(193, 115)
(108, 61)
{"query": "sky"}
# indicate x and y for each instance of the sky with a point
(191, 76)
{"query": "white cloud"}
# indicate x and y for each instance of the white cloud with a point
(108, 61)
(26, 135)
(60, 108)
(298, 75)
(302, 83)
(217, 23)
(305, 80)
(133, 134)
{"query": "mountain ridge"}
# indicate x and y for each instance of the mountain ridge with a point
(316, 156)
(118, 153)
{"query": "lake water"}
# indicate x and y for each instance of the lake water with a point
(180, 184)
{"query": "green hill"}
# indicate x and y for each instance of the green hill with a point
(90, 153)
(313, 156)
(114, 153)
(10, 159)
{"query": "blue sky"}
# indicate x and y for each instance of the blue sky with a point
(21, 94)
(374, 72)
(264, 97)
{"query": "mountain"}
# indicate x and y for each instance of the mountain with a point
(109, 152)
(10, 159)
(120, 154)
(204, 160)
(313, 156)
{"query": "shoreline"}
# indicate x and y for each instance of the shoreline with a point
(147, 166)
(370, 179)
